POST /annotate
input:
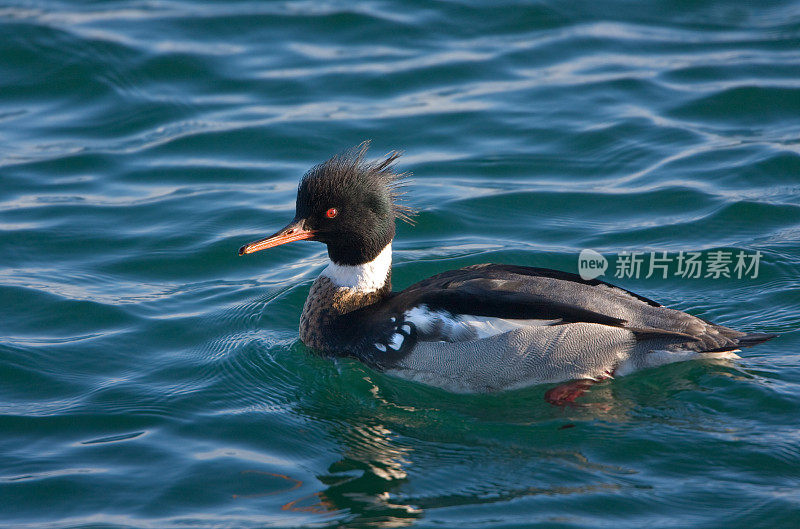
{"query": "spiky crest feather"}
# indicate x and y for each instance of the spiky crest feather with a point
(352, 163)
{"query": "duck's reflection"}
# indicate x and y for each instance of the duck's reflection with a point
(363, 480)
(360, 484)
(370, 484)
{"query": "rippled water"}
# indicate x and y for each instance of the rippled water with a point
(149, 377)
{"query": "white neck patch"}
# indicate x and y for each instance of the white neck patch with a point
(367, 277)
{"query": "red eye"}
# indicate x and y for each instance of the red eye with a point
(331, 213)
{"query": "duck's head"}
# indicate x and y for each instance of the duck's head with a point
(349, 204)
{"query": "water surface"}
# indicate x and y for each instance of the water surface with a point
(150, 378)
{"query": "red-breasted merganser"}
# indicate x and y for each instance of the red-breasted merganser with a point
(482, 328)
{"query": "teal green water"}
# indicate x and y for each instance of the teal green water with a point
(150, 378)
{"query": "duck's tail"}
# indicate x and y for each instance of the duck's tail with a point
(755, 338)
(746, 340)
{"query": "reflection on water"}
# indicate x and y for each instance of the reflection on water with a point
(396, 466)
(366, 479)
(375, 475)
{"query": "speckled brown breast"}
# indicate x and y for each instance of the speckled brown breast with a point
(327, 301)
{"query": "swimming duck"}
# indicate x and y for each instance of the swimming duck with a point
(482, 328)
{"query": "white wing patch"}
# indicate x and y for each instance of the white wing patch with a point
(443, 326)
(396, 342)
